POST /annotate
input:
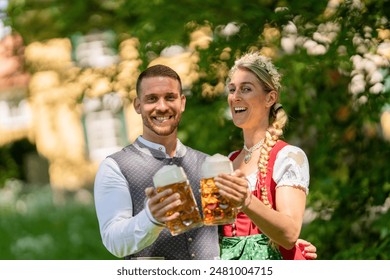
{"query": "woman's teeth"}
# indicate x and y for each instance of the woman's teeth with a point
(239, 109)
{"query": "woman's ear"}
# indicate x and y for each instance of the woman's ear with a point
(271, 98)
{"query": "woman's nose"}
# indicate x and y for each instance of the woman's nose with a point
(237, 94)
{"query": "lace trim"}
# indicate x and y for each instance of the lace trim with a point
(295, 187)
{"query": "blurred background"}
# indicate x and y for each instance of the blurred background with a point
(67, 81)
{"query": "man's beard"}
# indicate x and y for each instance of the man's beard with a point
(158, 130)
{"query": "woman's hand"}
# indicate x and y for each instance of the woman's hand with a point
(235, 188)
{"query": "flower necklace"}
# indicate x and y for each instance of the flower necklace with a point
(248, 152)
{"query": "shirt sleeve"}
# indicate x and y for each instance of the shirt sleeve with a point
(122, 233)
(291, 168)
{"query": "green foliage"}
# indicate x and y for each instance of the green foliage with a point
(32, 227)
(349, 188)
(348, 157)
(11, 160)
(8, 166)
(204, 126)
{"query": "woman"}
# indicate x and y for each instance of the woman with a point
(272, 208)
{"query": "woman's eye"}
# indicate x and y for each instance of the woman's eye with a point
(246, 89)
(231, 90)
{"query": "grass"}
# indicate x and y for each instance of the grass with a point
(33, 227)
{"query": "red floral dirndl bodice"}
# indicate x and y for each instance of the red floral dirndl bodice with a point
(243, 225)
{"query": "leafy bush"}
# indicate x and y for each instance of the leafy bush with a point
(32, 226)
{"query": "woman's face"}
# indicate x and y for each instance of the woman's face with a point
(247, 100)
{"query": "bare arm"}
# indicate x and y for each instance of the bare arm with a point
(282, 225)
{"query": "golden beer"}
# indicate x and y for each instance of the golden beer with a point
(216, 209)
(189, 212)
(174, 178)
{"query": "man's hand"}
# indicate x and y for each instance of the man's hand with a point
(162, 202)
(308, 249)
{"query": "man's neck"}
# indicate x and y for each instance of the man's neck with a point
(169, 142)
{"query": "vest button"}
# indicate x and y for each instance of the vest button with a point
(190, 239)
(193, 255)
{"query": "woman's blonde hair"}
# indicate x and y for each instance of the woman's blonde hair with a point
(269, 78)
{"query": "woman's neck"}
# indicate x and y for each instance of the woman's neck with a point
(252, 137)
(248, 164)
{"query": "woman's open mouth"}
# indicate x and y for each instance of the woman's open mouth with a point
(238, 110)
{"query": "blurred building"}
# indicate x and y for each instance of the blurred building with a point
(74, 109)
(15, 113)
(75, 104)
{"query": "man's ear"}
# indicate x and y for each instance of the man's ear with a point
(183, 102)
(137, 105)
(271, 98)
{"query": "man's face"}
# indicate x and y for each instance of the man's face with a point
(160, 105)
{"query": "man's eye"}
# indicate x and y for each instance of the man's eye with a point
(150, 99)
(231, 90)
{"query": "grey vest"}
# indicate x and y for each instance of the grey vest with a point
(138, 164)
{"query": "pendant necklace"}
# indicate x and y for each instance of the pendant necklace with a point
(249, 152)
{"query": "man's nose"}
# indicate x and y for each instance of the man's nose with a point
(162, 104)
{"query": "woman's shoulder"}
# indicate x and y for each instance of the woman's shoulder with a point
(291, 154)
(292, 167)
(291, 148)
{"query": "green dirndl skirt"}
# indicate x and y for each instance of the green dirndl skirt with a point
(252, 247)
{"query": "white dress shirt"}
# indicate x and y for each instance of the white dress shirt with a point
(122, 233)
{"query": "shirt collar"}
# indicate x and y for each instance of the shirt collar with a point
(180, 148)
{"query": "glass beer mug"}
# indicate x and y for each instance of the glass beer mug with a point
(174, 177)
(216, 209)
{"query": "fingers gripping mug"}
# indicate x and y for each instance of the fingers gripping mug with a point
(174, 177)
(216, 209)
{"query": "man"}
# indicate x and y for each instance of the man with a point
(132, 221)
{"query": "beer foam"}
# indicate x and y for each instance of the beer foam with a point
(216, 164)
(169, 174)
